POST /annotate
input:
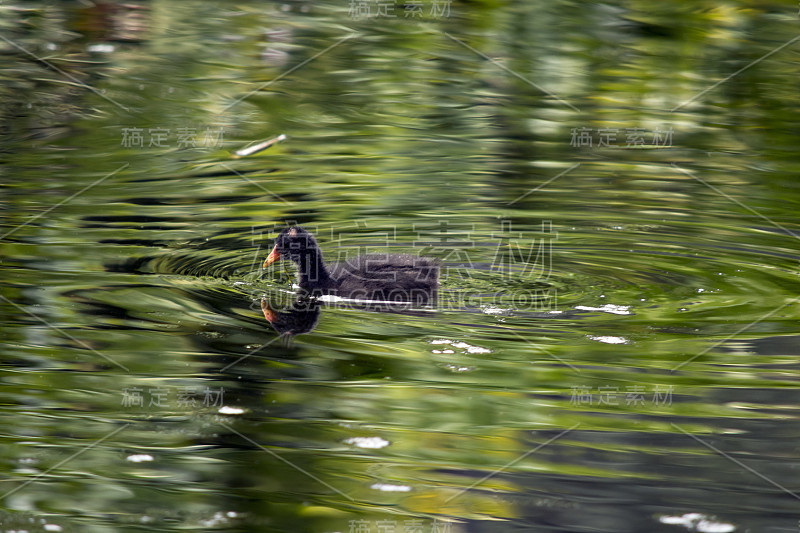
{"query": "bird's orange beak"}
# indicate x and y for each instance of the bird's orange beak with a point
(272, 257)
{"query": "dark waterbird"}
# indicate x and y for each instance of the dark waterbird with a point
(393, 278)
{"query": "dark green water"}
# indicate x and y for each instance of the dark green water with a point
(616, 344)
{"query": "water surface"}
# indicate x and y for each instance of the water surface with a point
(615, 344)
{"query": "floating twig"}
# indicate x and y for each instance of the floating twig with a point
(260, 147)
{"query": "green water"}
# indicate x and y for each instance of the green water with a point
(615, 347)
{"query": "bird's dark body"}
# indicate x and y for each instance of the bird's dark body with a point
(395, 278)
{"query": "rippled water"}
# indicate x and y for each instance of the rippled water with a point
(614, 347)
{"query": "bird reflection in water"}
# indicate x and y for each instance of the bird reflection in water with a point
(300, 317)
(304, 312)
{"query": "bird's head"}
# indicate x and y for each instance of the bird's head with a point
(293, 243)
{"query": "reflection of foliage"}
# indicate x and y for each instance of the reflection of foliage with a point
(50, 65)
(399, 127)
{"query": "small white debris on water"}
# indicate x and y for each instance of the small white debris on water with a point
(368, 442)
(608, 308)
(478, 349)
(469, 348)
(458, 369)
(218, 518)
(491, 310)
(139, 458)
(52, 527)
(102, 48)
(391, 488)
(609, 339)
(225, 410)
(697, 522)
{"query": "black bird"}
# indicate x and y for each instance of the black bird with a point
(394, 278)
